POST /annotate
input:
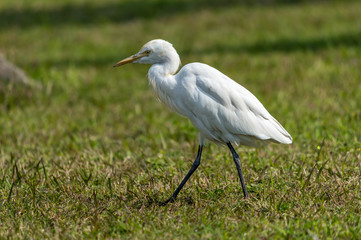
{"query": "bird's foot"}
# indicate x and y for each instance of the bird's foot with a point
(171, 199)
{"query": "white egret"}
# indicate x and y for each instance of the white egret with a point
(223, 111)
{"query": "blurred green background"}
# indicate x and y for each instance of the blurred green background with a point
(90, 151)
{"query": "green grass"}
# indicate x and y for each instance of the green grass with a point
(90, 154)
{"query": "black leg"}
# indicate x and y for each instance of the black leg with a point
(238, 165)
(195, 165)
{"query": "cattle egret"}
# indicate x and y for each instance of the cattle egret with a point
(223, 111)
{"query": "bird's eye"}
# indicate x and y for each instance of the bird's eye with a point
(147, 52)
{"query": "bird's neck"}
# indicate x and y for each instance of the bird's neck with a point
(168, 65)
(161, 77)
(161, 71)
(163, 82)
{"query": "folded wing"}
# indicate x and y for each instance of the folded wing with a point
(224, 111)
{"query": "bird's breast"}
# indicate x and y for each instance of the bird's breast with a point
(164, 92)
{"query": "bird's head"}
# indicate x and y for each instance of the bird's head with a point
(155, 51)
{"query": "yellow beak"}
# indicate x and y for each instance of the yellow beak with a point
(129, 59)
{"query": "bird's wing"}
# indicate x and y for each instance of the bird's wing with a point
(224, 111)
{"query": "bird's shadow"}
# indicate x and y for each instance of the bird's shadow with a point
(157, 201)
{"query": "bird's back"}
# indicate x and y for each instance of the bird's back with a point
(222, 110)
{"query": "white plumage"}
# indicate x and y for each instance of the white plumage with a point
(222, 110)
